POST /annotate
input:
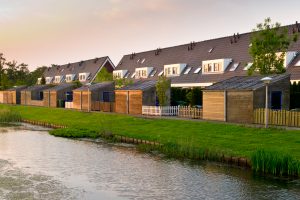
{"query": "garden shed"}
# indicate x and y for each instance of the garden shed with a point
(95, 97)
(131, 98)
(58, 95)
(234, 99)
(34, 95)
(13, 95)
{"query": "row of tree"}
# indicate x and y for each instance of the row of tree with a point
(15, 74)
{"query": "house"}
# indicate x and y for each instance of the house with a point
(83, 71)
(131, 98)
(200, 64)
(12, 95)
(234, 99)
(34, 95)
(56, 96)
(96, 97)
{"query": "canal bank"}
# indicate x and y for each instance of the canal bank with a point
(36, 165)
(273, 151)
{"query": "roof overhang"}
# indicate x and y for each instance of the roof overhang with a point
(180, 85)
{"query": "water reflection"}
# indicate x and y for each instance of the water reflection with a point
(85, 170)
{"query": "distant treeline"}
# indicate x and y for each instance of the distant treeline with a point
(15, 74)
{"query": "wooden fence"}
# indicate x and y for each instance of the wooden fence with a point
(277, 117)
(103, 106)
(190, 112)
(69, 105)
(160, 110)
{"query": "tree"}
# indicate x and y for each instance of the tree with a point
(269, 43)
(43, 80)
(162, 86)
(103, 76)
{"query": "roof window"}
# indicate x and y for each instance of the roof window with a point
(234, 66)
(210, 50)
(187, 70)
(197, 70)
(161, 73)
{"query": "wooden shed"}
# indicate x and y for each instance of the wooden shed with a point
(56, 96)
(131, 98)
(96, 97)
(12, 95)
(234, 99)
(34, 95)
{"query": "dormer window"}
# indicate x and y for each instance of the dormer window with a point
(118, 74)
(83, 77)
(49, 80)
(58, 79)
(70, 77)
(174, 69)
(288, 57)
(215, 66)
(143, 72)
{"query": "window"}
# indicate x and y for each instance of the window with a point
(143, 61)
(138, 60)
(82, 77)
(39, 81)
(187, 70)
(234, 66)
(69, 96)
(49, 80)
(197, 70)
(248, 66)
(133, 75)
(216, 67)
(41, 95)
(57, 79)
(106, 96)
(297, 64)
(161, 73)
(70, 77)
(153, 73)
(127, 75)
(210, 50)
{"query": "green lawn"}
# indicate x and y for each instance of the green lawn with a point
(233, 140)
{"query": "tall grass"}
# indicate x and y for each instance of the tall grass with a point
(272, 162)
(8, 115)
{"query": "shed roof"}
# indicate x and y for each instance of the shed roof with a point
(245, 82)
(61, 87)
(140, 85)
(95, 86)
(37, 87)
(17, 88)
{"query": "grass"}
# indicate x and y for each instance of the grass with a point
(193, 139)
(8, 115)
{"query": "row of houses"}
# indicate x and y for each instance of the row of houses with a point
(218, 66)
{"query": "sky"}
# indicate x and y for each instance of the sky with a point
(41, 33)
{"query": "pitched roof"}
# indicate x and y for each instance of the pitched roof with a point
(140, 85)
(244, 82)
(91, 66)
(194, 54)
(61, 87)
(95, 86)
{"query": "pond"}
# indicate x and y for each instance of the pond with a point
(36, 165)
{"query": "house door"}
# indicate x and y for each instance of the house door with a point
(276, 97)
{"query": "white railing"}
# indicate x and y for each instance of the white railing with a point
(69, 105)
(160, 110)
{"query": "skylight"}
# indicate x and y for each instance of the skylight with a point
(138, 60)
(161, 73)
(127, 75)
(133, 75)
(248, 66)
(234, 66)
(153, 73)
(210, 50)
(187, 70)
(197, 70)
(143, 61)
(298, 64)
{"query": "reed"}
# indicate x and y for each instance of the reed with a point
(276, 163)
(74, 133)
(8, 115)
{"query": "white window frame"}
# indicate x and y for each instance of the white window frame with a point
(49, 79)
(174, 69)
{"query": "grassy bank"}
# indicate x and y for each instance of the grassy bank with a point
(196, 140)
(8, 115)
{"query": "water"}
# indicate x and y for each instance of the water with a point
(35, 165)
